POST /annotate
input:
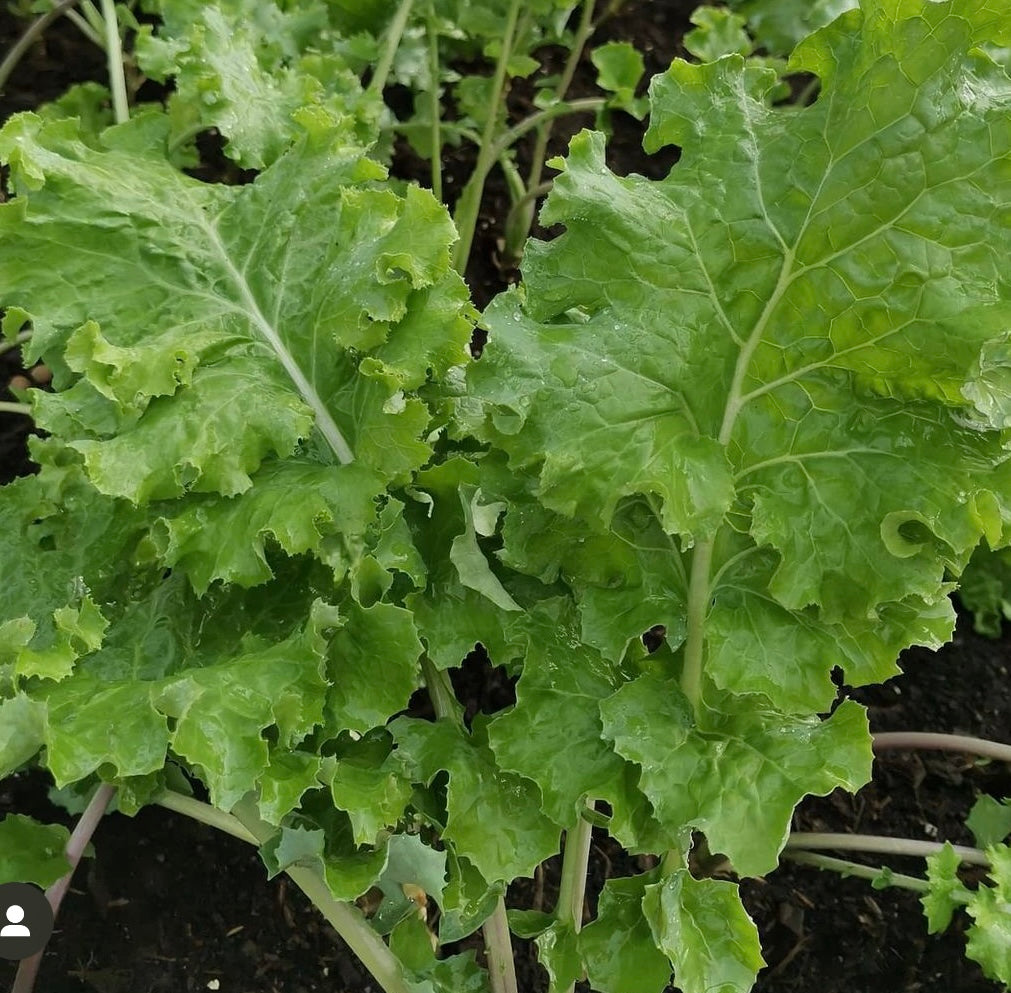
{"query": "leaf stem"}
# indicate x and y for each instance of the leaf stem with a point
(499, 949)
(498, 943)
(528, 197)
(440, 691)
(347, 920)
(699, 581)
(737, 399)
(185, 135)
(393, 36)
(114, 57)
(512, 177)
(20, 339)
(697, 608)
(446, 127)
(517, 131)
(469, 204)
(351, 924)
(982, 747)
(92, 17)
(572, 888)
(880, 845)
(325, 423)
(85, 28)
(612, 8)
(584, 30)
(574, 863)
(434, 108)
(810, 90)
(15, 408)
(79, 840)
(886, 878)
(24, 981)
(672, 861)
(28, 38)
(246, 825)
(205, 814)
(522, 213)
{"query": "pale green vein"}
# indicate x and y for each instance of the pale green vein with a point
(700, 258)
(324, 421)
(740, 556)
(800, 457)
(829, 362)
(736, 398)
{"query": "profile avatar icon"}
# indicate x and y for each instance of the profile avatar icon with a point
(26, 921)
(15, 929)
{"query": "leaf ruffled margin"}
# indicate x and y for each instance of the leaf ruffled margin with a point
(239, 376)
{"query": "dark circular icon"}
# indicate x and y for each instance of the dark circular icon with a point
(26, 920)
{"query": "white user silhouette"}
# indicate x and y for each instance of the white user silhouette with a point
(15, 929)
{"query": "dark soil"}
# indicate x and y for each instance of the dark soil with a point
(823, 932)
(170, 905)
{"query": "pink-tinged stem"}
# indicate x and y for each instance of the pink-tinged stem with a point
(24, 981)
(943, 743)
(880, 845)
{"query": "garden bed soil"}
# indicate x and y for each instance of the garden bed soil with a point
(171, 905)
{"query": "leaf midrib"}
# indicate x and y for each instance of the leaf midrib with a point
(249, 306)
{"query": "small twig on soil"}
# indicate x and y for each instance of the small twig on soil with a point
(24, 981)
(881, 845)
(32, 32)
(944, 743)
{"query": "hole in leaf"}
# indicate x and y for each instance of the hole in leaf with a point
(482, 688)
(477, 342)
(653, 638)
